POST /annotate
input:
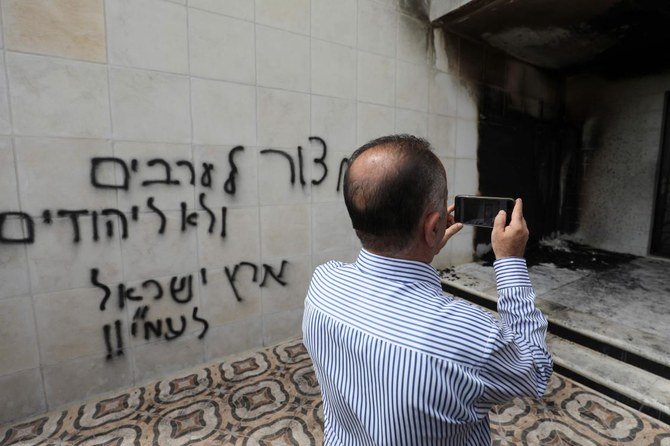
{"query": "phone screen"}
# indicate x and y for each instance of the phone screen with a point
(481, 211)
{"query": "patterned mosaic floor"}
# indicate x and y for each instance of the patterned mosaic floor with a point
(271, 397)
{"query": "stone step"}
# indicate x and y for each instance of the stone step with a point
(634, 386)
(640, 386)
(641, 347)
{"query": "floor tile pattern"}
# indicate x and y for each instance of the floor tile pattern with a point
(271, 397)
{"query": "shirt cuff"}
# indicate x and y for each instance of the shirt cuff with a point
(511, 272)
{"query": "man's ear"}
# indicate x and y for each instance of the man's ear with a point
(431, 227)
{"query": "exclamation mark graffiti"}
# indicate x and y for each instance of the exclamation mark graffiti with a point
(107, 333)
(119, 338)
(108, 342)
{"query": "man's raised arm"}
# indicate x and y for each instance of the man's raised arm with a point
(519, 362)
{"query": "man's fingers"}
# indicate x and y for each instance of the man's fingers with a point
(451, 208)
(448, 233)
(453, 229)
(517, 213)
(499, 222)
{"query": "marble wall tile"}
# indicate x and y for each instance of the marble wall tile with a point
(442, 259)
(443, 94)
(333, 70)
(2, 39)
(392, 4)
(374, 121)
(274, 178)
(283, 325)
(331, 228)
(334, 21)
(291, 15)
(376, 79)
(334, 120)
(412, 86)
(466, 138)
(297, 275)
(442, 135)
(233, 337)
(83, 378)
(9, 189)
(68, 28)
(74, 260)
(450, 169)
(412, 39)
(283, 118)
(459, 249)
(240, 244)
(285, 231)
(40, 87)
(376, 28)
(243, 9)
(246, 179)
(223, 112)
(5, 121)
(170, 196)
(17, 331)
(411, 122)
(150, 106)
(221, 47)
(148, 34)
(70, 323)
(53, 171)
(159, 359)
(466, 177)
(22, 395)
(219, 303)
(282, 59)
(13, 271)
(148, 254)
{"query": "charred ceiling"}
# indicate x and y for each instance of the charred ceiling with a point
(610, 37)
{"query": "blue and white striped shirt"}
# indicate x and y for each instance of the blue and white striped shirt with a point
(401, 363)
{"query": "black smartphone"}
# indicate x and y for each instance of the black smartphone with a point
(481, 211)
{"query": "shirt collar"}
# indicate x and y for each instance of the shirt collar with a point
(396, 269)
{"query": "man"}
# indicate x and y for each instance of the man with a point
(399, 362)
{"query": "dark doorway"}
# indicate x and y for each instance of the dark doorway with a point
(660, 240)
(535, 159)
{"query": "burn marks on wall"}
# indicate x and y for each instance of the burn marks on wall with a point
(524, 147)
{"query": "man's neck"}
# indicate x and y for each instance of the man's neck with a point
(417, 255)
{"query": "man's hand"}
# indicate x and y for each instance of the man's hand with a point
(510, 241)
(452, 227)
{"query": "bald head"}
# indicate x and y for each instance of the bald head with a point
(372, 169)
(390, 184)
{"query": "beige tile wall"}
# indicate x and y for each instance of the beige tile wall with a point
(187, 81)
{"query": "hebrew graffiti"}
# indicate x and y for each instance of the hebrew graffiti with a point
(122, 176)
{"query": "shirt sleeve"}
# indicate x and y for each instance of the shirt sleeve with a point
(519, 362)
